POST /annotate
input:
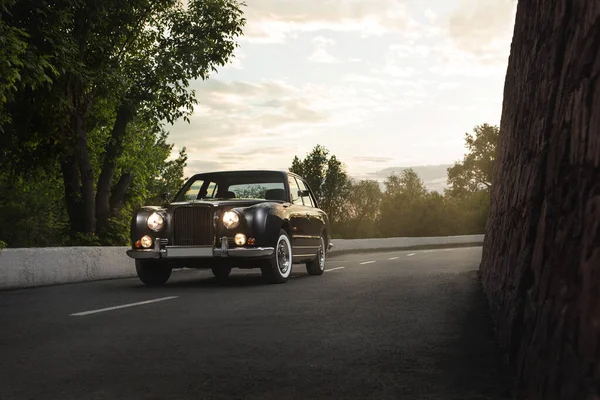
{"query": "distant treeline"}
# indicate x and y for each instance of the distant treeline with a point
(360, 209)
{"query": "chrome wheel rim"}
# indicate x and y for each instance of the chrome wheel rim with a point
(322, 254)
(283, 255)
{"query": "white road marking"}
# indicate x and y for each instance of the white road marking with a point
(394, 258)
(367, 262)
(334, 269)
(410, 255)
(122, 306)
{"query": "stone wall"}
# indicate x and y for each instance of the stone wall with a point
(541, 256)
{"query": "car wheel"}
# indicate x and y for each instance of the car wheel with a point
(278, 268)
(152, 273)
(317, 266)
(221, 273)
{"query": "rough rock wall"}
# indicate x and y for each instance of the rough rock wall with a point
(541, 256)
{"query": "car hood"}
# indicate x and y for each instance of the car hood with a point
(222, 203)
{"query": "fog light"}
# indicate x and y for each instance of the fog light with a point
(146, 242)
(251, 241)
(240, 239)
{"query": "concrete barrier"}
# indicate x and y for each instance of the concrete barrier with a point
(358, 245)
(31, 267)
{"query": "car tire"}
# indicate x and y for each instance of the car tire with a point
(278, 268)
(152, 273)
(317, 266)
(221, 273)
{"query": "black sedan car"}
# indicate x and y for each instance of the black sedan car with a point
(234, 219)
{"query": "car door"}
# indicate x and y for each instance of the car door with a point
(317, 221)
(299, 218)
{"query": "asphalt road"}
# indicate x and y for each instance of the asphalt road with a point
(398, 325)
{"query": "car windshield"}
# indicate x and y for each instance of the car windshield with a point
(234, 185)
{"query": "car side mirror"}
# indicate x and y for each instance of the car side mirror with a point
(166, 196)
(303, 193)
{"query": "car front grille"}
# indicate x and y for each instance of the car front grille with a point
(193, 226)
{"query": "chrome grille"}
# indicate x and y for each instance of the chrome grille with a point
(193, 226)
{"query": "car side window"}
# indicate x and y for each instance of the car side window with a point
(294, 190)
(193, 191)
(212, 189)
(306, 199)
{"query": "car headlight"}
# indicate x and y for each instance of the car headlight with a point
(231, 219)
(155, 222)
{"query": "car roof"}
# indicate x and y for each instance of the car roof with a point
(280, 171)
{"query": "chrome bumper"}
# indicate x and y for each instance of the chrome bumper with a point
(200, 251)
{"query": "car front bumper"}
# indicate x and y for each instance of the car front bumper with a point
(171, 252)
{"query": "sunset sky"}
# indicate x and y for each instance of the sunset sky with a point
(380, 83)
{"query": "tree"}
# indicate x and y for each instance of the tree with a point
(120, 62)
(33, 212)
(327, 178)
(313, 169)
(22, 65)
(363, 206)
(474, 172)
(170, 178)
(335, 190)
(399, 215)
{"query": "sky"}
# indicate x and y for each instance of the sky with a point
(382, 84)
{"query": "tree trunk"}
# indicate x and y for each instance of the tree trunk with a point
(119, 192)
(70, 172)
(541, 255)
(113, 151)
(78, 178)
(86, 174)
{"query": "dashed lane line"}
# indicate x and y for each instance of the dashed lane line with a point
(410, 255)
(367, 262)
(79, 314)
(334, 269)
(394, 258)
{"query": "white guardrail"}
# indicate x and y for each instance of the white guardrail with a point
(31, 267)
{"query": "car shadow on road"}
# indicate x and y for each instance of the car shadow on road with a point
(192, 280)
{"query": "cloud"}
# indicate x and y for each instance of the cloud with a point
(476, 26)
(448, 86)
(321, 55)
(235, 61)
(450, 60)
(402, 84)
(377, 160)
(238, 124)
(441, 55)
(430, 15)
(272, 21)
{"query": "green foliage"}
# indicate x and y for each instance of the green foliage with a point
(327, 178)
(406, 208)
(22, 66)
(475, 172)
(32, 212)
(403, 205)
(364, 199)
(86, 91)
(313, 168)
